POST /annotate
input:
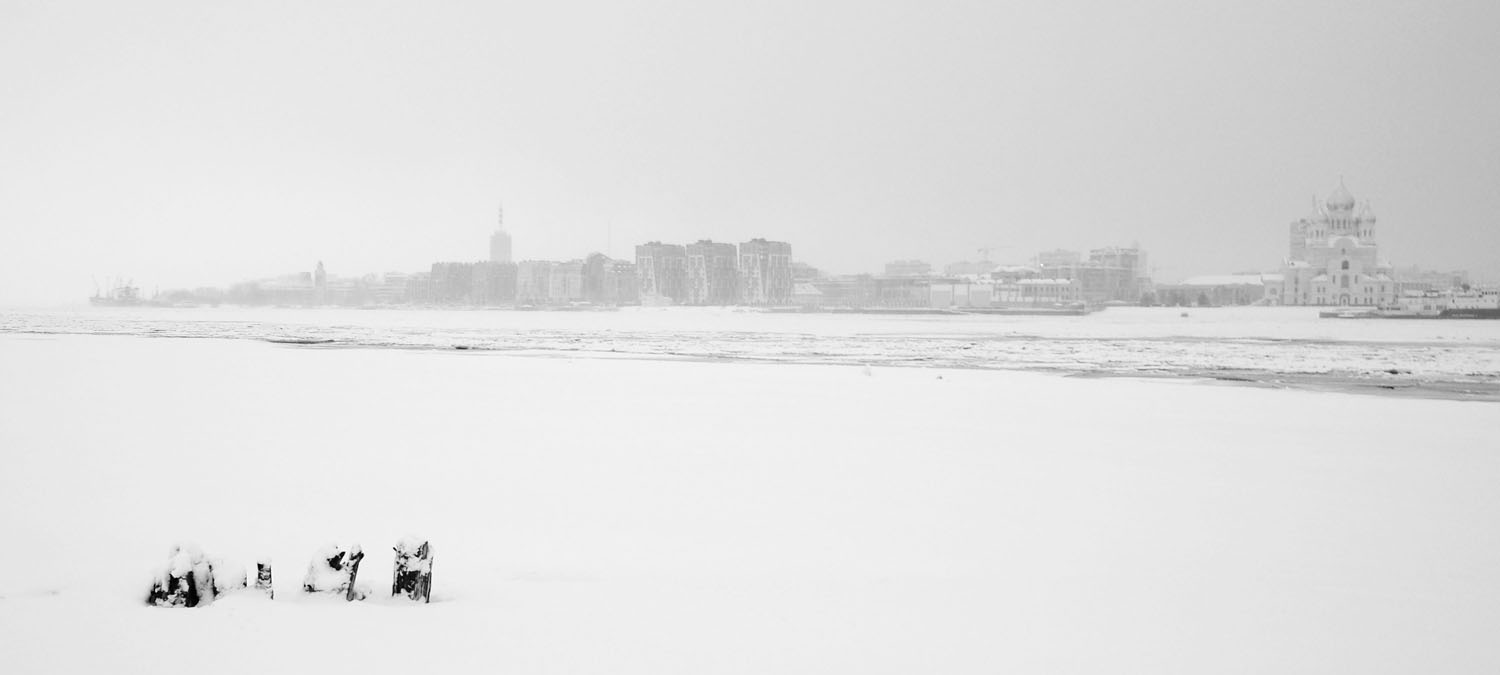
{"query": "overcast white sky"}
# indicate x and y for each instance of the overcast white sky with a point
(199, 143)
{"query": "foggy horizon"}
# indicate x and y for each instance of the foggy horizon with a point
(182, 145)
(1221, 397)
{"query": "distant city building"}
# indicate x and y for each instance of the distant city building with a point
(907, 268)
(419, 288)
(1221, 290)
(1057, 258)
(967, 268)
(451, 283)
(320, 284)
(662, 270)
(607, 281)
(1112, 274)
(711, 274)
(500, 241)
(621, 276)
(534, 282)
(1416, 279)
(765, 272)
(1037, 292)
(390, 289)
(566, 282)
(961, 292)
(802, 271)
(1334, 258)
(494, 284)
(844, 291)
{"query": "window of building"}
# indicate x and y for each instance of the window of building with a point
(1345, 265)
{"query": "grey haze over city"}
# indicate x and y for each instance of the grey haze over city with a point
(642, 338)
(186, 144)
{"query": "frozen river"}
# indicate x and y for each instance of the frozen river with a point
(693, 515)
(1284, 347)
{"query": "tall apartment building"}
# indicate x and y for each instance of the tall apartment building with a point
(621, 285)
(662, 270)
(500, 241)
(494, 283)
(534, 282)
(765, 272)
(451, 283)
(566, 283)
(711, 274)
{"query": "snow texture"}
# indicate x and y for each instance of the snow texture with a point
(602, 515)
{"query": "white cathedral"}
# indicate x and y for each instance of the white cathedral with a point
(1334, 259)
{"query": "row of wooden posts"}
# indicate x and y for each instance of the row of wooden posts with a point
(189, 578)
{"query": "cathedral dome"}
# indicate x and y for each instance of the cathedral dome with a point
(1341, 200)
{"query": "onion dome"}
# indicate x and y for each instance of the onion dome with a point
(1340, 200)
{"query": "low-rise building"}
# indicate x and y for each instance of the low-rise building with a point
(1221, 290)
(907, 268)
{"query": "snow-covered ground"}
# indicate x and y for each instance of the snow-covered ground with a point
(593, 515)
(1288, 347)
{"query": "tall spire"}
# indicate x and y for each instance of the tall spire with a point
(500, 217)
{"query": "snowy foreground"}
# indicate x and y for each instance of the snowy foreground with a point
(593, 515)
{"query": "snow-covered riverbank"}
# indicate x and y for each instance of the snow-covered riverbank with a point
(627, 515)
(1280, 347)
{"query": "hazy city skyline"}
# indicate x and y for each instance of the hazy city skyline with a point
(182, 144)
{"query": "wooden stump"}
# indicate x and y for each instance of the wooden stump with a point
(263, 578)
(335, 570)
(351, 565)
(413, 569)
(186, 581)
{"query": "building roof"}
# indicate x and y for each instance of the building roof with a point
(1226, 280)
(1039, 282)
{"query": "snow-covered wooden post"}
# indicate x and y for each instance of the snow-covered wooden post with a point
(187, 580)
(263, 578)
(335, 570)
(351, 565)
(413, 569)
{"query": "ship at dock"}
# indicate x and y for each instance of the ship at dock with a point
(1468, 303)
(119, 294)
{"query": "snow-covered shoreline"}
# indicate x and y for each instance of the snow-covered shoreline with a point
(1278, 347)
